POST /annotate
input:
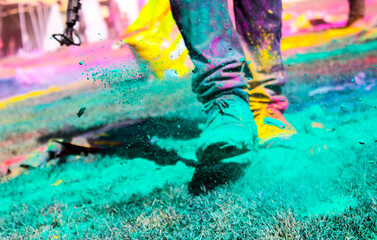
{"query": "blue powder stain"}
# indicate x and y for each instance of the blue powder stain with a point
(274, 122)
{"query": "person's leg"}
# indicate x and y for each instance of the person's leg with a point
(214, 47)
(154, 37)
(218, 79)
(356, 11)
(259, 22)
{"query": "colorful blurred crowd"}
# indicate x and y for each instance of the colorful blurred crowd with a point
(26, 26)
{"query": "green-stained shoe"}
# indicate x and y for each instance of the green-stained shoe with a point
(230, 130)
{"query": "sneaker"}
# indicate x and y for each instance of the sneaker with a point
(273, 128)
(230, 130)
(268, 104)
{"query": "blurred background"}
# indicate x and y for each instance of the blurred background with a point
(27, 48)
(27, 25)
(26, 44)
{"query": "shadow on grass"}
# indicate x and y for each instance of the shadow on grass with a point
(129, 139)
(136, 139)
(133, 131)
(207, 178)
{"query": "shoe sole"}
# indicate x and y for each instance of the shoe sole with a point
(283, 142)
(214, 153)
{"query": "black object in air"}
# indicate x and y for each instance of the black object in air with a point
(81, 111)
(72, 17)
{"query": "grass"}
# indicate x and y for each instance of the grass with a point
(169, 211)
(321, 186)
(301, 192)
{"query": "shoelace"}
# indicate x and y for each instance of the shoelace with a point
(220, 103)
(273, 112)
